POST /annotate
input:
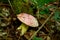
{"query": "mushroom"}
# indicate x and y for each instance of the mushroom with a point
(27, 21)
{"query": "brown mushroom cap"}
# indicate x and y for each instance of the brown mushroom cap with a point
(28, 19)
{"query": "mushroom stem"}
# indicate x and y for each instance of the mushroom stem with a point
(23, 29)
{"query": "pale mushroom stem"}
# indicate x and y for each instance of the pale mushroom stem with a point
(23, 29)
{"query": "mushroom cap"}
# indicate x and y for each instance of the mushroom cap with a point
(28, 19)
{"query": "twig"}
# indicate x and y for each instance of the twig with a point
(4, 4)
(41, 26)
(11, 6)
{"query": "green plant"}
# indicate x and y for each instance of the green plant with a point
(57, 15)
(41, 3)
(37, 38)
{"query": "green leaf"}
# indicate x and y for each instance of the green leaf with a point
(36, 38)
(40, 3)
(57, 15)
(45, 11)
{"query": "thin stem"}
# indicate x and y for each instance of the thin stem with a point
(11, 6)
